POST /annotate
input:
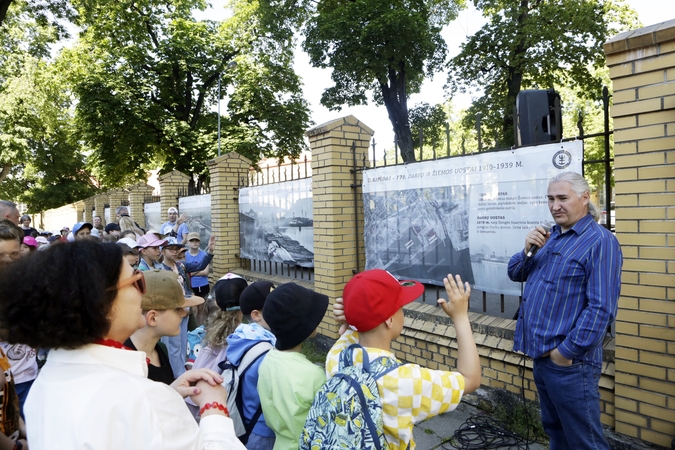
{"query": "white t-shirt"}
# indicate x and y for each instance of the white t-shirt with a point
(99, 397)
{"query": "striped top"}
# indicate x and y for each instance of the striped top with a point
(571, 294)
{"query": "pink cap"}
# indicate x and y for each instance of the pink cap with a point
(30, 241)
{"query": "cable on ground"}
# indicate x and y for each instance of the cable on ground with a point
(484, 432)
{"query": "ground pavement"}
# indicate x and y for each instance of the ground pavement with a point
(436, 433)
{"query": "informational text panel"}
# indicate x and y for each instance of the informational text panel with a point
(466, 215)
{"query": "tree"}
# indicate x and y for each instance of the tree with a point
(145, 74)
(534, 44)
(380, 46)
(427, 124)
(46, 168)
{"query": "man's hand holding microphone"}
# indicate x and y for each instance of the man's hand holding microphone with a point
(536, 238)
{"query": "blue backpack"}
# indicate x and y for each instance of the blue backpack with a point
(347, 412)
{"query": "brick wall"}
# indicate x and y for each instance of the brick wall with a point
(225, 172)
(335, 236)
(642, 68)
(169, 184)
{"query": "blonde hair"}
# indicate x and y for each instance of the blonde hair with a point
(126, 223)
(219, 325)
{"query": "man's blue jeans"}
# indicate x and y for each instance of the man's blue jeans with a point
(570, 404)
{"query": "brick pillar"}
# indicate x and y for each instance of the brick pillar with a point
(642, 68)
(335, 234)
(169, 184)
(225, 172)
(99, 207)
(137, 194)
(80, 211)
(88, 207)
(115, 199)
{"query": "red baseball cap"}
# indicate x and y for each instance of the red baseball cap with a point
(373, 296)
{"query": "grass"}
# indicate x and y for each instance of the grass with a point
(518, 417)
(314, 351)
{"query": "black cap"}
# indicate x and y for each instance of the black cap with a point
(227, 293)
(254, 296)
(293, 312)
(112, 226)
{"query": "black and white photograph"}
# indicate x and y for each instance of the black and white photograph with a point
(276, 223)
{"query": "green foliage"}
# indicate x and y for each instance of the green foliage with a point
(428, 122)
(314, 352)
(146, 73)
(46, 166)
(41, 165)
(534, 44)
(591, 113)
(372, 46)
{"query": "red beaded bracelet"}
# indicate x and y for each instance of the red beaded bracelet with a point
(214, 405)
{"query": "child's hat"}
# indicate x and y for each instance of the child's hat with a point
(293, 312)
(227, 292)
(373, 296)
(163, 291)
(254, 296)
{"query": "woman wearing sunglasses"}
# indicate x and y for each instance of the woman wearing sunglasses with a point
(93, 392)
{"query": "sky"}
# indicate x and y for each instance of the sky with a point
(375, 117)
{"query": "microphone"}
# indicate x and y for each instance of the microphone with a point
(546, 225)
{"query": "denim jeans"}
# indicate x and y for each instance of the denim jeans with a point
(257, 442)
(570, 404)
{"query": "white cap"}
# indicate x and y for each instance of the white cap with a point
(130, 242)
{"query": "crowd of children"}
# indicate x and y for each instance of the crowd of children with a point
(254, 334)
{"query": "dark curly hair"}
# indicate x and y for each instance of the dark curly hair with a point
(60, 297)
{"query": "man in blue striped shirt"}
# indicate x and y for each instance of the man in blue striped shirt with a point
(570, 299)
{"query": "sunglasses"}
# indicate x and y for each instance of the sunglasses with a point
(136, 279)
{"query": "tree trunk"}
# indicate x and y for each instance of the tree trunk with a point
(4, 6)
(395, 99)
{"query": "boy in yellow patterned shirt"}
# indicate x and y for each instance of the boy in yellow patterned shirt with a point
(372, 306)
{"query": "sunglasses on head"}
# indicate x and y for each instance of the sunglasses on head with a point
(137, 280)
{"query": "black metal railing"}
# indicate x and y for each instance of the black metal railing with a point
(295, 170)
(151, 199)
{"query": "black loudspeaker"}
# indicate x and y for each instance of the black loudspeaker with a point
(538, 119)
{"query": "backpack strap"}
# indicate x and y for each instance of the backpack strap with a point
(347, 357)
(253, 354)
(366, 415)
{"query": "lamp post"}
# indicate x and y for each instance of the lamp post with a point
(230, 65)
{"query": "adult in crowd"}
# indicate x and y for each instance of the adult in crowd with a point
(64, 232)
(175, 227)
(9, 211)
(98, 223)
(82, 230)
(149, 245)
(11, 238)
(123, 211)
(26, 228)
(570, 298)
(12, 428)
(93, 392)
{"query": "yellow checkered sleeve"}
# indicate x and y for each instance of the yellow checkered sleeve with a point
(409, 393)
